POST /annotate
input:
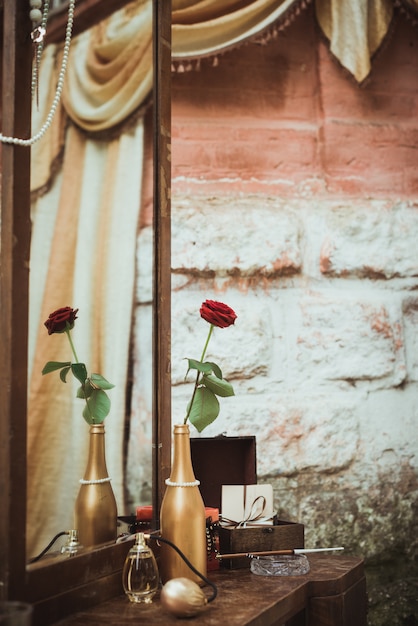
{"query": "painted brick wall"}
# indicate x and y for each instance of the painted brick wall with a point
(285, 118)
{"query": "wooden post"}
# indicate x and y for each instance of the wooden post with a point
(14, 289)
(162, 251)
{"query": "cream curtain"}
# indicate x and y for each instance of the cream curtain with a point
(203, 28)
(110, 73)
(83, 254)
(355, 29)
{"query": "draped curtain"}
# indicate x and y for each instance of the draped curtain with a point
(87, 184)
(355, 29)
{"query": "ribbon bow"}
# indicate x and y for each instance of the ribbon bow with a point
(254, 517)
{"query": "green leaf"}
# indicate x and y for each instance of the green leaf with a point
(204, 368)
(97, 407)
(220, 387)
(64, 372)
(80, 372)
(216, 370)
(85, 390)
(205, 408)
(99, 381)
(52, 366)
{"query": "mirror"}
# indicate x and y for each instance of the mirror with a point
(37, 585)
(91, 249)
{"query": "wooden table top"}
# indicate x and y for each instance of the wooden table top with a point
(245, 598)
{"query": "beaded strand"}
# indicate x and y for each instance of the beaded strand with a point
(171, 483)
(35, 13)
(39, 21)
(96, 481)
(58, 92)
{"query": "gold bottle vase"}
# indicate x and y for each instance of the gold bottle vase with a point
(182, 515)
(95, 515)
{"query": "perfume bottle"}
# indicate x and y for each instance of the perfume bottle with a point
(73, 545)
(140, 572)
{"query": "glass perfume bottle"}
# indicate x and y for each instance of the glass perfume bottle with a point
(73, 545)
(140, 572)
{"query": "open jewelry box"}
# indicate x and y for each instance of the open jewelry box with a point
(224, 460)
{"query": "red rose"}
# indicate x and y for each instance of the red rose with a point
(58, 320)
(217, 314)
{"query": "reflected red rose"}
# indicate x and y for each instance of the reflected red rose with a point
(217, 313)
(58, 320)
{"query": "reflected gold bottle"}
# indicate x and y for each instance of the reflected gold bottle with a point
(182, 515)
(95, 508)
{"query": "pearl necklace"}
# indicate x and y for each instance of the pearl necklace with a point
(60, 82)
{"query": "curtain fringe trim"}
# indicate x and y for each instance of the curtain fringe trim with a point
(269, 34)
(407, 10)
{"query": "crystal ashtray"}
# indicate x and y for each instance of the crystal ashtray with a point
(280, 565)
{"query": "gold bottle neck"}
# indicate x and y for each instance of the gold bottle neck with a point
(182, 469)
(97, 429)
(96, 464)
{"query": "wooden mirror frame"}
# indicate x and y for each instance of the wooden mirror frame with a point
(56, 587)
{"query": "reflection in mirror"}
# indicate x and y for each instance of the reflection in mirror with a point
(92, 249)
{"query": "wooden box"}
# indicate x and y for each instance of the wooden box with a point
(224, 460)
(281, 536)
(221, 461)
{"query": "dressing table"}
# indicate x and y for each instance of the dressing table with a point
(333, 593)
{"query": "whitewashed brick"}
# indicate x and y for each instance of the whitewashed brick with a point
(242, 236)
(144, 265)
(139, 452)
(350, 336)
(389, 431)
(410, 312)
(294, 433)
(376, 240)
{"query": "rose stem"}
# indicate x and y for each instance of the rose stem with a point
(72, 345)
(198, 373)
(76, 359)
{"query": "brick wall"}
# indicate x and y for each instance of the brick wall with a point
(287, 119)
(295, 202)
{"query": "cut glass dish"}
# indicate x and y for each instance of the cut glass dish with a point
(280, 565)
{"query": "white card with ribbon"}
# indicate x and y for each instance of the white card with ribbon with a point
(247, 505)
